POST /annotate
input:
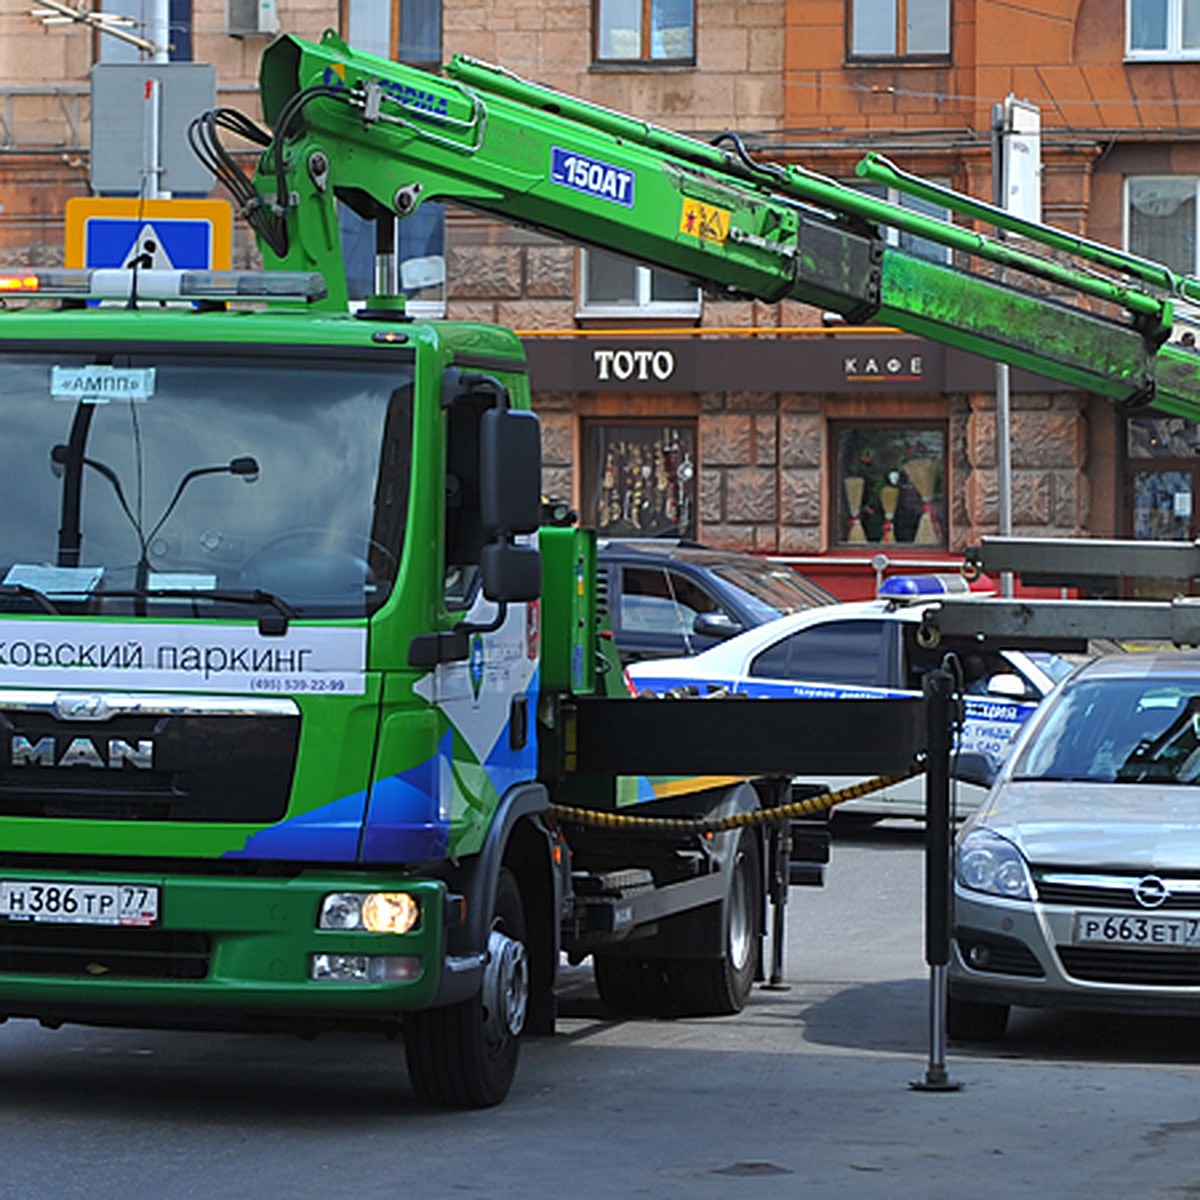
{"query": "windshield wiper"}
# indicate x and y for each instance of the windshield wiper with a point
(269, 624)
(24, 591)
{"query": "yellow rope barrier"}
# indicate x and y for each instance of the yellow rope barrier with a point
(762, 816)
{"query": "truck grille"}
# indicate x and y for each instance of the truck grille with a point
(86, 952)
(147, 764)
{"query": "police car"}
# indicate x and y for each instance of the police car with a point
(871, 649)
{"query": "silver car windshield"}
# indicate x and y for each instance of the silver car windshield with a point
(1118, 731)
(201, 486)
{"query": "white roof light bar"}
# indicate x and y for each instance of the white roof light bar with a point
(110, 283)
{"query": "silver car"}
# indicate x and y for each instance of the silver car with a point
(1077, 883)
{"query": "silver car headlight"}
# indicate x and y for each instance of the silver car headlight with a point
(988, 863)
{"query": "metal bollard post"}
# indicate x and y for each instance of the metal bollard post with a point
(781, 844)
(938, 688)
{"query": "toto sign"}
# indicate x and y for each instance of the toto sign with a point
(626, 366)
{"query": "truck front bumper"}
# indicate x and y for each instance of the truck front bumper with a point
(217, 951)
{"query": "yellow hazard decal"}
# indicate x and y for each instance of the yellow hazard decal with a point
(704, 221)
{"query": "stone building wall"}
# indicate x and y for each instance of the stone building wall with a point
(1050, 488)
(500, 273)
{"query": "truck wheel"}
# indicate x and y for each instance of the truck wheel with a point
(636, 987)
(465, 1055)
(717, 987)
(975, 1020)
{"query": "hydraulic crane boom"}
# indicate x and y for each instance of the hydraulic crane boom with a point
(385, 138)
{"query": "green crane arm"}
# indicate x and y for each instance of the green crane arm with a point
(384, 138)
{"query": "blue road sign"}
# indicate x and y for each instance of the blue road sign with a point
(110, 242)
(184, 234)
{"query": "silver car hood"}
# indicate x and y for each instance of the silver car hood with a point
(1140, 826)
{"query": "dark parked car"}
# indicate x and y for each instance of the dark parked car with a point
(666, 599)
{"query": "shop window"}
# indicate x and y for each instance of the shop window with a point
(1162, 486)
(639, 478)
(1160, 220)
(1162, 474)
(1163, 29)
(890, 485)
(645, 31)
(899, 28)
(614, 286)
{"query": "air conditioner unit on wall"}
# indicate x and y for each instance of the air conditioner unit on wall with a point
(248, 18)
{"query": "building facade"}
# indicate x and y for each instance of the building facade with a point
(773, 428)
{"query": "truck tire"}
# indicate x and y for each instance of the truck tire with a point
(465, 1055)
(718, 987)
(697, 987)
(635, 987)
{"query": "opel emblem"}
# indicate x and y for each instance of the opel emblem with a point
(1150, 891)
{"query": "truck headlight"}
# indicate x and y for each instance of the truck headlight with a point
(988, 863)
(370, 912)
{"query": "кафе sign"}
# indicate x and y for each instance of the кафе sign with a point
(807, 363)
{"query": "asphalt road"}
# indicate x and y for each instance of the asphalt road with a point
(805, 1094)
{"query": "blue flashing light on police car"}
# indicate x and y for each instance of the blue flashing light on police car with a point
(925, 586)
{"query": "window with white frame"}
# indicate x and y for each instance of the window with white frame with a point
(645, 31)
(1160, 220)
(611, 285)
(1163, 29)
(912, 243)
(408, 31)
(139, 14)
(899, 28)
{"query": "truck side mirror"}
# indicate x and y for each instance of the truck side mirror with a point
(510, 472)
(510, 572)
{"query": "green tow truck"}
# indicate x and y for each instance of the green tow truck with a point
(307, 718)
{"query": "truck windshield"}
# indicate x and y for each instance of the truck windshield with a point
(196, 486)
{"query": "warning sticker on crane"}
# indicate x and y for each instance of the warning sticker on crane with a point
(704, 221)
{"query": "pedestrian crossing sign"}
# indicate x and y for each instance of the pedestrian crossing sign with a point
(124, 233)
